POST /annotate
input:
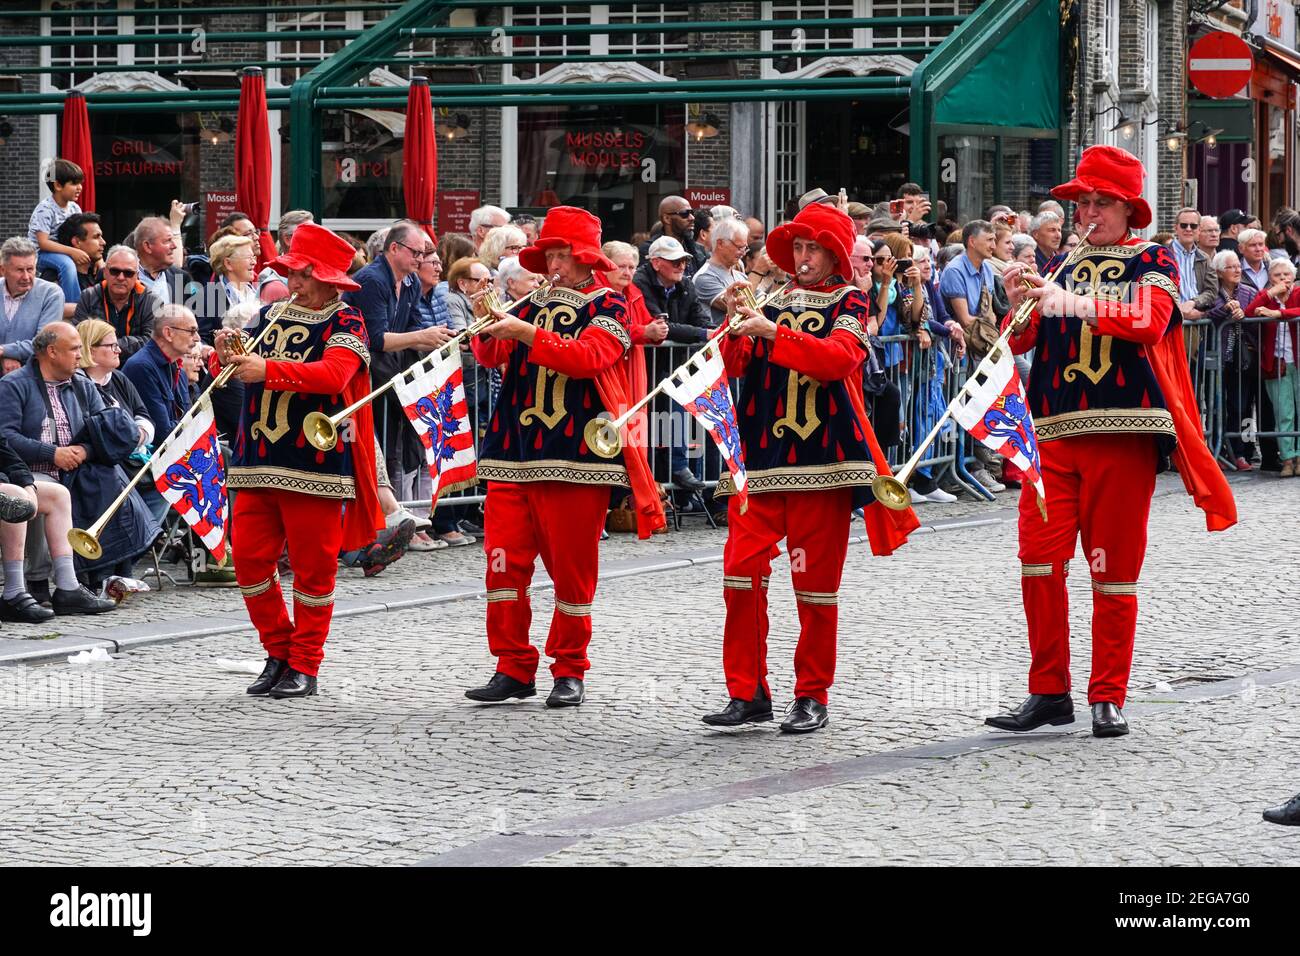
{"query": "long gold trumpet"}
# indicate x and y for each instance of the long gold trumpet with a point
(323, 430)
(604, 436)
(891, 490)
(86, 541)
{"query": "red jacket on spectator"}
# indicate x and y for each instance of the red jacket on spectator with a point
(1270, 363)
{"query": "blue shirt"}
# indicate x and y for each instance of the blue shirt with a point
(165, 394)
(1186, 270)
(962, 279)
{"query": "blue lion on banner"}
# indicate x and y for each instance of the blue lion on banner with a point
(437, 414)
(198, 476)
(716, 409)
(1009, 419)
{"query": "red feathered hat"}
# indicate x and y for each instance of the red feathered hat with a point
(329, 256)
(566, 226)
(1110, 171)
(824, 225)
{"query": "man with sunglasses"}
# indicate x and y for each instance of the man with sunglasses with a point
(388, 297)
(1198, 284)
(677, 221)
(121, 300)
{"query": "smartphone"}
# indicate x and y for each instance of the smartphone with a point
(904, 265)
(896, 207)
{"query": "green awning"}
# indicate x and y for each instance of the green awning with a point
(1235, 117)
(1016, 83)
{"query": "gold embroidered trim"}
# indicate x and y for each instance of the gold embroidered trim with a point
(817, 597)
(345, 340)
(502, 594)
(573, 610)
(1160, 281)
(290, 479)
(296, 313)
(850, 324)
(1115, 587)
(458, 486)
(574, 297)
(843, 474)
(766, 578)
(737, 583)
(553, 469)
(1093, 421)
(261, 587)
(312, 600)
(1117, 252)
(1035, 570)
(813, 300)
(606, 324)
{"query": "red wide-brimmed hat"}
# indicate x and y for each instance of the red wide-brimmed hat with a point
(566, 226)
(329, 256)
(1110, 171)
(825, 225)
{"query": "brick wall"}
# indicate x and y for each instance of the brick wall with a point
(20, 155)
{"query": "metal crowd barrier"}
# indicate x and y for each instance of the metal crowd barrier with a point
(1242, 399)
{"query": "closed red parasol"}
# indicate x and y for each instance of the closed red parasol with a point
(253, 159)
(420, 157)
(76, 146)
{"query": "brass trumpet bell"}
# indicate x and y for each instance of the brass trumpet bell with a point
(85, 543)
(321, 431)
(891, 492)
(603, 438)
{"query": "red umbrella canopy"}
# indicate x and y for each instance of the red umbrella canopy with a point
(253, 159)
(76, 146)
(420, 157)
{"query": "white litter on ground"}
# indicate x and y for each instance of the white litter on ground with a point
(95, 655)
(240, 667)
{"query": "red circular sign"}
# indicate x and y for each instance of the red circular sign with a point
(1220, 64)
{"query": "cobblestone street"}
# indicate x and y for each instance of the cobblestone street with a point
(159, 757)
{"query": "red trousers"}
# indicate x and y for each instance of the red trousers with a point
(1098, 487)
(561, 522)
(816, 526)
(265, 519)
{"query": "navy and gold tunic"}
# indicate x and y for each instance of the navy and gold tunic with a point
(536, 430)
(797, 432)
(1086, 382)
(271, 450)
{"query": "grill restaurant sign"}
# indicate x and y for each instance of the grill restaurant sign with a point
(137, 158)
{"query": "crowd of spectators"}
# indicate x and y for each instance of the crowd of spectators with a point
(104, 348)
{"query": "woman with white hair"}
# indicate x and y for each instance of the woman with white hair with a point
(1279, 347)
(500, 243)
(1238, 351)
(234, 262)
(1023, 249)
(513, 281)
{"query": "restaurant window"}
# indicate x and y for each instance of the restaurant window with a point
(1017, 171)
(617, 161)
(568, 45)
(799, 37)
(310, 52)
(81, 51)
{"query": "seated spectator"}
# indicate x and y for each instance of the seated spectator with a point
(271, 286)
(234, 266)
(44, 412)
(156, 245)
(65, 180)
(156, 374)
(1279, 348)
(662, 280)
(122, 301)
(82, 231)
(30, 303)
(500, 243)
(712, 279)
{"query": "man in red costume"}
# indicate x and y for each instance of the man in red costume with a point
(1112, 400)
(315, 358)
(566, 365)
(810, 455)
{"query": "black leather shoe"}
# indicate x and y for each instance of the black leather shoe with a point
(685, 478)
(39, 588)
(567, 692)
(740, 711)
(1288, 814)
(271, 675)
(1034, 711)
(16, 509)
(79, 601)
(501, 687)
(294, 684)
(1108, 720)
(22, 608)
(806, 715)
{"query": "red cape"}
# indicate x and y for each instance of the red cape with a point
(1201, 476)
(362, 517)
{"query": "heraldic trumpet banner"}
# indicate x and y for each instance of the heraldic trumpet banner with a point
(704, 392)
(434, 400)
(996, 413)
(190, 473)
